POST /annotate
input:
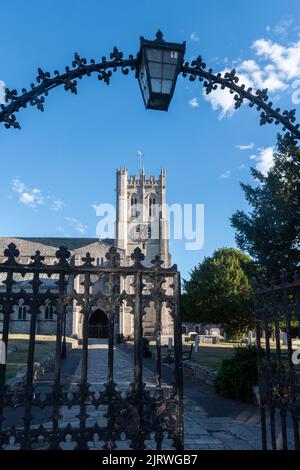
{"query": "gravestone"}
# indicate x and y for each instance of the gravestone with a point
(2, 352)
(214, 331)
(197, 339)
(209, 339)
(249, 338)
(284, 339)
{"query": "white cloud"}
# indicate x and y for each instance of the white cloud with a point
(223, 100)
(35, 197)
(17, 185)
(2, 92)
(32, 198)
(286, 60)
(282, 28)
(194, 37)
(245, 147)
(273, 67)
(264, 159)
(194, 103)
(76, 225)
(57, 205)
(224, 175)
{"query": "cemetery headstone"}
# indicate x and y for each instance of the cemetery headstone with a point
(2, 352)
(197, 339)
(284, 339)
(249, 338)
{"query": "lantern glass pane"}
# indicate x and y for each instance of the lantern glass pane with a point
(155, 55)
(156, 85)
(166, 86)
(155, 69)
(168, 71)
(143, 81)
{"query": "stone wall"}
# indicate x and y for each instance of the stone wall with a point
(201, 374)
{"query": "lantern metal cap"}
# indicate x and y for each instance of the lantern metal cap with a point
(160, 42)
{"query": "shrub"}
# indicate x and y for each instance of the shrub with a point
(237, 375)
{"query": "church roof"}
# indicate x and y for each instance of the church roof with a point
(71, 243)
(48, 245)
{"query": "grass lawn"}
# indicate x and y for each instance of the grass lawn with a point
(17, 360)
(212, 355)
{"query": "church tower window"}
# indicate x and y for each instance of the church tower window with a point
(22, 312)
(134, 206)
(152, 203)
(49, 312)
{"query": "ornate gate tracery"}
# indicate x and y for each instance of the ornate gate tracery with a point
(138, 414)
(277, 307)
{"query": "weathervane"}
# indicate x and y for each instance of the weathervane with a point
(140, 159)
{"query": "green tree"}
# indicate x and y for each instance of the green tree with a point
(270, 232)
(219, 290)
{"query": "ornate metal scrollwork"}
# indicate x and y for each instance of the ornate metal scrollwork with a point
(196, 70)
(69, 79)
(259, 99)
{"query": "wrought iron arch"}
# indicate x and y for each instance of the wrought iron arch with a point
(194, 70)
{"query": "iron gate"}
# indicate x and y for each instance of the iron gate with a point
(277, 306)
(139, 414)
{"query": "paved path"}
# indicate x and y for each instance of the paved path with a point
(237, 427)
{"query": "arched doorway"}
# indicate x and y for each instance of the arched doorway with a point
(98, 324)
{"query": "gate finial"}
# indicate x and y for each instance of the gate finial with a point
(11, 252)
(137, 256)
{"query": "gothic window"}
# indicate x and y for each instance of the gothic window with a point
(49, 312)
(152, 203)
(134, 205)
(22, 312)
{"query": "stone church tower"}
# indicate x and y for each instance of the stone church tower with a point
(141, 221)
(141, 215)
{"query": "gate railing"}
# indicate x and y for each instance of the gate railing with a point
(141, 413)
(277, 307)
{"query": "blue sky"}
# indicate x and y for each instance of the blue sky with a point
(63, 161)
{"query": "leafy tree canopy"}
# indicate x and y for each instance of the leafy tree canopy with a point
(270, 231)
(219, 290)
